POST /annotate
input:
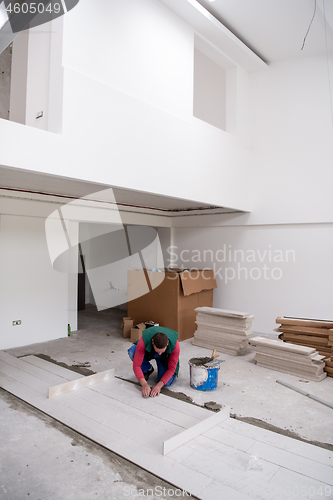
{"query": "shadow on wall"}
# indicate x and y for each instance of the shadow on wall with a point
(5, 79)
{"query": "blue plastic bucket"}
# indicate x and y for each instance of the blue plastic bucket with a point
(203, 374)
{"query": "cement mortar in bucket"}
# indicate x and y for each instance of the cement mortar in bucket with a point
(204, 373)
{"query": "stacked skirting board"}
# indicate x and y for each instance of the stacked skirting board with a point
(301, 361)
(225, 331)
(311, 333)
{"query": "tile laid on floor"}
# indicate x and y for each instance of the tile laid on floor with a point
(217, 490)
(207, 467)
(296, 463)
(293, 485)
(238, 478)
(164, 467)
(230, 438)
(286, 443)
(49, 367)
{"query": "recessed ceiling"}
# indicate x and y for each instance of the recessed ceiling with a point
(27, 181)
(275, 29)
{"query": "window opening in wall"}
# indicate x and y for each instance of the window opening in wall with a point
(209, 90)
(31, 78)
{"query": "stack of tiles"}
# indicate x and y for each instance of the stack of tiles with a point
(311, 333)
(293, 359)
(329, 366)
(226, 331)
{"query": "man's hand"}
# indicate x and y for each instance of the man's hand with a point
(157, 389)
(145, 391)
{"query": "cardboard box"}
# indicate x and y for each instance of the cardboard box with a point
(172, 297)
(126, 326)
(136, 332)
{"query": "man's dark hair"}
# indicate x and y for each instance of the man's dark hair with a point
(160, 340)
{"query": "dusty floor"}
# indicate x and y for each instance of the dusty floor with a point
(43, 459)
(251, 391)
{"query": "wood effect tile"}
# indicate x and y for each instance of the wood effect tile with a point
(49, 367)
(296, 463)
(201, 427)
(79, 383)
(227, 436)
(233, 477)
(218, 491)
(286, 443)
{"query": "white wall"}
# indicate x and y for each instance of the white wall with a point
(268, 271)
(292, 179)
(136, 46)
(31, 291)
(292, 129)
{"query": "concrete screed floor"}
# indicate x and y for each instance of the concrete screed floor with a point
(41, 458)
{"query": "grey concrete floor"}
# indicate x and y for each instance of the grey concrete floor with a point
(39, 451)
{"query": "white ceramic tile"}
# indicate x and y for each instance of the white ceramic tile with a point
(36, 371)
(135, 427)
(232, 457)
(299, 487)
(25, 378)
(159, 406)
(162, 466)
(181, 419)
(196, 430)
(233, 477)
(244, 429)
(227, 436)
(128, 421)
(79, 383)
(218, 491)
(296, 463)
(181, 453)
(175, 404)
(93, 430)
(52, 368)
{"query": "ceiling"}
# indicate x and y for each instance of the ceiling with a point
(32, 182)
(275, 29)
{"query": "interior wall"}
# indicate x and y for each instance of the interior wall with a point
(268, 271)
(31, 290)
(291, 123)
(138, 47)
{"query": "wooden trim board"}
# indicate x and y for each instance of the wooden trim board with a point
(79, 383)
(194, 431)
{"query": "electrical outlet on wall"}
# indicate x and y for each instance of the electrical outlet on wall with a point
(16, 322)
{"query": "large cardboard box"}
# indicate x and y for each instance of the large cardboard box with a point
(172, 297)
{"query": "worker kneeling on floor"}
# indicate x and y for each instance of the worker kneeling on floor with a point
(162, 345)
